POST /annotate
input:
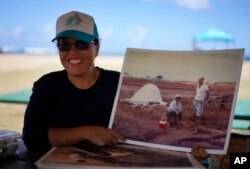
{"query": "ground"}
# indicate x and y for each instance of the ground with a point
(138, 122)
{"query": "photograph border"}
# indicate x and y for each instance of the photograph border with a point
(235, 52)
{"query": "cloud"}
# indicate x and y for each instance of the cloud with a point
(154, 0)
(48, 31)
(138, 36)
(48, 28)
(17, 32)
(190, 4)
(106, 33)
(193, 4)
(31, 36)
(13, 33)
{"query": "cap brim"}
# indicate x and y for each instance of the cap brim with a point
(75, 34)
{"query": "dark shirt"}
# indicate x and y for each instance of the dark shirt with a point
(56, 102)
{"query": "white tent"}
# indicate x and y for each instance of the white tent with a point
(149, 93)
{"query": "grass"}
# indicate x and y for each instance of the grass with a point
(20, 79)
(12, 114)
(244, 89)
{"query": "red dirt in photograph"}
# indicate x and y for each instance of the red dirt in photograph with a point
(140, 122)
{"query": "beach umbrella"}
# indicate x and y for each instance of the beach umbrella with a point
(213, 35)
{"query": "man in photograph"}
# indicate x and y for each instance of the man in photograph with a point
(201, 95)
(174, 111)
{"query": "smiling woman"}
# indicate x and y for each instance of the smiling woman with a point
(72, 105)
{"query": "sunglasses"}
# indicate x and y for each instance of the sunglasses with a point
(65, 46)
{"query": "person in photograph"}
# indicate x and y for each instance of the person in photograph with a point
(174, 111)
(201, 95)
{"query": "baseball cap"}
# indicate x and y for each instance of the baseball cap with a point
(76, 25)
(201, 78)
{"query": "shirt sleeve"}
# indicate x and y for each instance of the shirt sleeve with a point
(38, 117)
(171, 106)
(206, 87)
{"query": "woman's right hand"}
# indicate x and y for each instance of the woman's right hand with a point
(102, 136)
(98, 135)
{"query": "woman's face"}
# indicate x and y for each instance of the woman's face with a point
(78, 62)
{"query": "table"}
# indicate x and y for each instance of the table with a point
(23, 159)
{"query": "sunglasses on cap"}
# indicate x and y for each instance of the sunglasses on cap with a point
(65, 46)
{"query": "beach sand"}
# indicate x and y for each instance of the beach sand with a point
(18, 72)
(11, 62)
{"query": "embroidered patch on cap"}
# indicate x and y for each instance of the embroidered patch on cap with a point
(74, 20)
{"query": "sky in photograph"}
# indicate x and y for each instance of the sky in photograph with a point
(216, 66)
(148, 24)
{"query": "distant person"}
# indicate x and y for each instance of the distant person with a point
(201, 95)
(174, 111)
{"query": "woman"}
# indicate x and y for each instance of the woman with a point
(72, 105)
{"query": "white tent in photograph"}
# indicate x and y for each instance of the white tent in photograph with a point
(149, 93)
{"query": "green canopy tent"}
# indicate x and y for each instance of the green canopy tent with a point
(212, 35)
(21, 96)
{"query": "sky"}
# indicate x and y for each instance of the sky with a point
(147, 24)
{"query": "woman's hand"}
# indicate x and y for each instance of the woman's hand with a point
(98, 135)
(199, 153)
(103, 136)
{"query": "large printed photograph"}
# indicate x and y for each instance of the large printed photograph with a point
(119, 156)
(177, 99)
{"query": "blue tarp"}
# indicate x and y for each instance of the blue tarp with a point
(213, 35)
(21, 96)
(242, 109)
